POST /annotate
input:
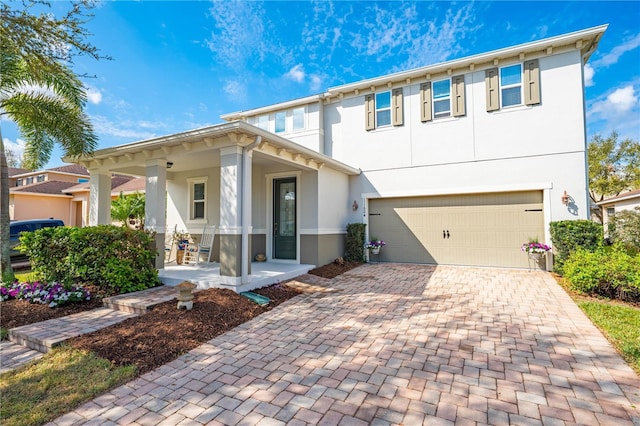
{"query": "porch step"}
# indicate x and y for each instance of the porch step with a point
(44, 336)
(140, 302)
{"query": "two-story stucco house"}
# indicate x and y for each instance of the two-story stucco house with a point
(454, 163)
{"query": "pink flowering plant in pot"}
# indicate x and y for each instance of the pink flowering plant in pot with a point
(534, 247)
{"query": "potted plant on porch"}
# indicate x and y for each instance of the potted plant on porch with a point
(181, 240)
(375, 245)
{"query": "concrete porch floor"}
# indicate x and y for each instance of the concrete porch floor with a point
(207, 275)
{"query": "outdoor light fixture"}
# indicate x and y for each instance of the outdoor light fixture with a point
(565, 198)
(354, 207)
(169, 164)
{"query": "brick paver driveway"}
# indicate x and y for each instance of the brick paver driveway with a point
(395, 344)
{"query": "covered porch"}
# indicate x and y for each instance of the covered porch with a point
(207, 275)
(264, 194)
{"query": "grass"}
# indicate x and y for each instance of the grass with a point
(618, 321)
(55, 385)
(621, 325)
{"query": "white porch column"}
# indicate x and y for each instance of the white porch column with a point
(99, 198)
(155, 204)
(230, 215)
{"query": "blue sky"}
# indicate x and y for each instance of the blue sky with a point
(179, 65)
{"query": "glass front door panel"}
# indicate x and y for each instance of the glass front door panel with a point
(284, 224)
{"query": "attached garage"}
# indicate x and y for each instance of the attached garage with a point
(474, 229)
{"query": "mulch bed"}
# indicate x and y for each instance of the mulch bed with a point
(163, 334)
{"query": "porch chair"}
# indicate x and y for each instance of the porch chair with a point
(169, 242)
(205, 246)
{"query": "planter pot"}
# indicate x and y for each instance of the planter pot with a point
(179, 257)
(375, 250)
(538, 260)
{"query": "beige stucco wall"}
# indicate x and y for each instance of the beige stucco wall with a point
(40, 206)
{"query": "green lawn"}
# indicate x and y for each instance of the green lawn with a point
(56, 384)
(621, 325)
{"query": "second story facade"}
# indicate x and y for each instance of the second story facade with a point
(472, 109)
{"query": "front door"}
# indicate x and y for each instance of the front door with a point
(284, 218)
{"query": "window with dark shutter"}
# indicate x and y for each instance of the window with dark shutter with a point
(531, 82)
(369, 111)
(396, 107)
(425, 102)
(492, 89)
(457, 96)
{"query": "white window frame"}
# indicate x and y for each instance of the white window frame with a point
(262, 121)
(446, 98)
(29, 180)
(283, 116)
(511, 86)
(378, 109)
(293, 119)
(40, 178)
(19, 182)
(191, 208)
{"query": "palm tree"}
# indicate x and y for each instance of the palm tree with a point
(41, 94)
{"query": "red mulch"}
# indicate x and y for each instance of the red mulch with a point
(164, 333)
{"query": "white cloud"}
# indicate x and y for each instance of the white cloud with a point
(622, 99)
(613, 56)
(124, 129)
(16, 147)
(93, 95)
(316, 82)
(296, 73)
(235, 89)
(588, 75)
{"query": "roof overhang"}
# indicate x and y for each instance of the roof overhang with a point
(632, 195)
(236, 133)
(585, 40)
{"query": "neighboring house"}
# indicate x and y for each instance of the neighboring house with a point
(60, 193)
(455, 163)
(626, 201)
(41, 194)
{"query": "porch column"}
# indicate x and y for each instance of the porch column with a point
(155, 204)
(100, 198)
(231, 215)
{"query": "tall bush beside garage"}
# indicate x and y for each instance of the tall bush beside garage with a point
(355, 242)
(569, 235)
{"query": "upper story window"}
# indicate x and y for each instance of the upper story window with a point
(263, 122)
(40, 178)
(197, 198)
(383, 109)
(298, 119)
(441, 98)
(19, 182)
(29, 180)
(281, 121)
(511, 85)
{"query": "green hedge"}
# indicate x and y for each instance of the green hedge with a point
(355, 242)
(608, 271)
(568, 236)
(116, 259)
(624, 228)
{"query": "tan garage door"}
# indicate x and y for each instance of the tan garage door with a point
(477, 229)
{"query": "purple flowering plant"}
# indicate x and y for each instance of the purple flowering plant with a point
(535, 247)
(375, 243)
(52, 294)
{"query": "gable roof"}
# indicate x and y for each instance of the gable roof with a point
(76, 169)
(13, 171)
(630, 195)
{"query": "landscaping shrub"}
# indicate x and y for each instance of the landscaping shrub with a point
(608, 271)
(624, 228)
(355, 242)
(569, 235)
(116, 259)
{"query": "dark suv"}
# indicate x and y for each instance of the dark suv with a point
(19, 226)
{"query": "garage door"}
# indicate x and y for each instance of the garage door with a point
(476, 229)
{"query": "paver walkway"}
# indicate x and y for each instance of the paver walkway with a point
(396, 344)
